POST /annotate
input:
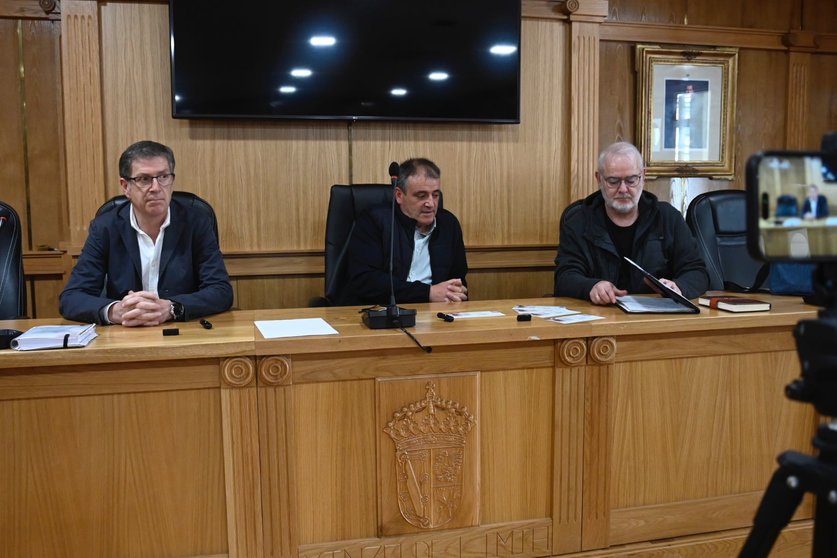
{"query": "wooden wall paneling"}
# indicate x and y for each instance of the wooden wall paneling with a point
(506, 183)
(111, 474)
(744, 13)
(510, 283)
(796, 112)
(268, 181)
(42, 297)
(597, 459)
(44, 134)
(617, 94)
(696, 415)
(12, 151)
(276, 446)
(568, 445)
(517, 447)
(242, 466)
(584, 95)
(818, 16)
(255, 293)
(83, 124)
(822, 100)
(335, 455)
(760, 107)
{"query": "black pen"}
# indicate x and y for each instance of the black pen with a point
(446, 317)
(206, 324)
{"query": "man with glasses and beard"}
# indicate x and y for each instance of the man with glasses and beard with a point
(622, 220)
(149, 261)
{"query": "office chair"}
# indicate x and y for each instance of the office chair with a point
(718, 221)
(345, 204)
(787, 206)
(12, 285)
(187, 198)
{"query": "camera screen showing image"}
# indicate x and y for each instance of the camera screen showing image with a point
(792, 206)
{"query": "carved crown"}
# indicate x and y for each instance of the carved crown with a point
(432, 421)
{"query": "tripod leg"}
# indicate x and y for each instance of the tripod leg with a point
(780, 500)
(825, 528)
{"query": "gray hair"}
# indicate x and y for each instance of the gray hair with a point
(620, 148)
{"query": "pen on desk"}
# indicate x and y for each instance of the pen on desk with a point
(206, 324)
(446, 317)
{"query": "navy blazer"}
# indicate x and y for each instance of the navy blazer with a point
(192, 270)
(822, 207)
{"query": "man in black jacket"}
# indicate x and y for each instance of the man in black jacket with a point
(621, 220)
(428, 263)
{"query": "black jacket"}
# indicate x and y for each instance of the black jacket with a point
(663, 246)
(368, 257)
(192, 269)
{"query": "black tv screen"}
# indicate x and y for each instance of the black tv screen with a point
(428, 60)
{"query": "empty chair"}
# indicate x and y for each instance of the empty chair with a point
(787, 206)
(12, 285)
(718, 220)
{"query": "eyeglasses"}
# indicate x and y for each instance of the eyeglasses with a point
(615, 182)
(144, 182)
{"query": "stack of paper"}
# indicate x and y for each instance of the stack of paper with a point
(55, 337)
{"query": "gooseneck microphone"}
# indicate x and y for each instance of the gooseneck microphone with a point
(392, 316)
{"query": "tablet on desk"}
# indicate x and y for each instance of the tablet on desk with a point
(673, 302)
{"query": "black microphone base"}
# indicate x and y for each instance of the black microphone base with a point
(389, 318)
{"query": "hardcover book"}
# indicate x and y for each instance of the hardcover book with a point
(732, 303)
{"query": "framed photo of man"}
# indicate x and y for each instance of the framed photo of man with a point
(686, 110)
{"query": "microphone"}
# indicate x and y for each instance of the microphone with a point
(393, 316)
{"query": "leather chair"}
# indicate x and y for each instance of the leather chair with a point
(718, 220)
(345, 204)
(188, 198)
(12, 285)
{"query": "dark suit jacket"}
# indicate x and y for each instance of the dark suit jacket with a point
(822, 207)
(192, 269)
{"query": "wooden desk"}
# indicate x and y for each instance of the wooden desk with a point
(556, 439)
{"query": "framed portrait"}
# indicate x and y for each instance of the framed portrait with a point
(686, 110)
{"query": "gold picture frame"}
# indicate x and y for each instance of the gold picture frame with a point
(686, 110)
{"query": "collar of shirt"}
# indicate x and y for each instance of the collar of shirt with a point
(150, 252)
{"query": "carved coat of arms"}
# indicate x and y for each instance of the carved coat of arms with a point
(429, 438)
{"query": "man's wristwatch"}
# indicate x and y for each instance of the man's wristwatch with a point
(177, 311)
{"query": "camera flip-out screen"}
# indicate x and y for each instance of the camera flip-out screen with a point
(792, 207)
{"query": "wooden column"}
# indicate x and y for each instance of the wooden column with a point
(585, 18)
(801, 44)
(82, 94)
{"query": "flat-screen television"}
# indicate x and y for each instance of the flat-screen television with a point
(424, 60)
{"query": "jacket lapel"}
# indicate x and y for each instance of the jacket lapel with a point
(129, 238)
(171, 238)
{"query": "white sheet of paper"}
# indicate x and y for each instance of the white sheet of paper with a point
(482, 314)
(544, 311)
(576, 318)
(273, 329)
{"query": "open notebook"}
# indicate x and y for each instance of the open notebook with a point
(670, 302)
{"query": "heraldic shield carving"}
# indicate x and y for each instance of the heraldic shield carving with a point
(430, 437)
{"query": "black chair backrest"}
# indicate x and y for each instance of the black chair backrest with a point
(187, 198)
(12, 285)
(346, 203)
(718, 220)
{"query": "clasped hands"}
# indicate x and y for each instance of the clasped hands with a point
(605, 292)
(451, 290)
(141, 308)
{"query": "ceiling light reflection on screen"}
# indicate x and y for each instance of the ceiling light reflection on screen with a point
(398, 92)
(301, 72)
(322, 41)
(503, 50)
(438, 76)
(287, 89)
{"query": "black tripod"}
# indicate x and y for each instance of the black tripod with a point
(798, 473)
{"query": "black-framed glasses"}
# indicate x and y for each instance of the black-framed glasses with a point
(615, 182)
(144, 182)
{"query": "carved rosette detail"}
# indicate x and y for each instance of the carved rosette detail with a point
(573, 352)
(48, 6)
(275, 370)
(603, 349)
(571, 6)
(238, 372)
